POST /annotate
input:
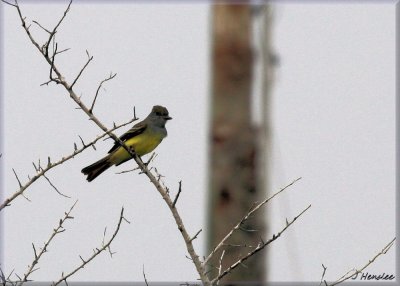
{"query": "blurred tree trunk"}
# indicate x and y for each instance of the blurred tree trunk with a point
(234, 179)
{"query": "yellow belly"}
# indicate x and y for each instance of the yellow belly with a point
(142, 144)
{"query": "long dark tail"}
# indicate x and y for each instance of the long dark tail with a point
(94, 170)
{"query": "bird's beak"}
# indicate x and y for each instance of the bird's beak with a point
(167, 118)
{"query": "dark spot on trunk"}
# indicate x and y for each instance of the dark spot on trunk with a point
(225, 196)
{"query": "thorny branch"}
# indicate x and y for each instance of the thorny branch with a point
(5, 281)
(245, 218)
(42, 171)
(220, 265)
(260, 246)
(37, 256)
(96, 252)
(52, 34)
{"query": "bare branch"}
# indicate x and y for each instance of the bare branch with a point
(42, 171)
(103, 242)
(97, 91)
(37, 256)
(26, 28)
(260, 246)
(8, 281)
(46, 47)
(51, 78)
(55, 47)
(44, 51)
(354, 272)
(246, 217)
(96, 252)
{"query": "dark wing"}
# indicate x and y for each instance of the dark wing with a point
(134, 131)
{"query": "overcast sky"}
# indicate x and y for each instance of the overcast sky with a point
(333, 124)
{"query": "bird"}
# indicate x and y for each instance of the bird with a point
(142, 138)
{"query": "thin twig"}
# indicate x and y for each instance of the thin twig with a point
(3, 279)
(97, 91)
(16, 176)
(90, 58)
(55, 47)
(9, 275)
(127, 171)
(195, 236)
(177, 195)
(62, 51)
(103, 243)
(246, 217)
(51, 78)
(239, 245)
(153, 155)
(54, 187)
(95, 253)
(8, 3)
(220, 264)
(323, 273)
(46, 47)
(144, 276)
(260, 246)
(43, 28)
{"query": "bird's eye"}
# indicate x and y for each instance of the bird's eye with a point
(158, 113)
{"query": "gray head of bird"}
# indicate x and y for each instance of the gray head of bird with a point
(159, 114)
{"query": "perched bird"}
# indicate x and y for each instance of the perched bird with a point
(143, 138)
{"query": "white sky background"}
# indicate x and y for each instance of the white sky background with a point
(333, 123)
